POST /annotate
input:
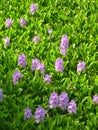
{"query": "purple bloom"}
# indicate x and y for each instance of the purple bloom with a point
(35, 63)
(81, 66)
(59, 65)
(53, 100)
(41, 68)
(50, 31)
(39, 114)
(72, 107)
(27, 113)
(8, 23)
(95, 99)
(1, 95)
(7, 41)
(16, 76)
(64, 44)
(36, 39)
(22, 22)
(63, 52)
(33, 8)
(47, 78)
(22, 60)
(63, 100)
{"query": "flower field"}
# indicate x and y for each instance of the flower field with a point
(48, 65)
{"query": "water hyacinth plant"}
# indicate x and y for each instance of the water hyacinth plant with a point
(81, 66)
(47, 78)
(59, 65)
(53, 100)
(16, 76)
(48, 65)
(36, 39)
(39, 114)
(50, 31)
(7, 41)
(8, 22)
(64, 44)
(72, 107)
(35, 63)
(22, 60)
(33, 8)
(22, 22)
(63, 100)
(95, 99)
(27, 113)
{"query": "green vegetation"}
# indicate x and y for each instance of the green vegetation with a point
(78, 19)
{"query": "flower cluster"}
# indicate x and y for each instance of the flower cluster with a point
(22, 60)
(38, 115)
(22, 22)
(62, 101)
(64, 44)
(53, 100)
(36, 65)
(47, 78)
(95, 99)
(41, 68)
(27, 113)
(33, 8)
(59, 65)
(50, 31)
(72, 107)
(36, 39)
(7, 41)
(16, 76)
(81, 66)
(1, 95)
(8, 22)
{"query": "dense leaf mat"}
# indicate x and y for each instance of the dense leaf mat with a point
(78, 19)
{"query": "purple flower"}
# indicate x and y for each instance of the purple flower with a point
(59, 65)
(72, 107)
(1, 95)
(64, 44)
(53, 100)
(22, 60)
(27, 113)
(22, 22)
(63, 52)
(63, 100)
(47, 78)
(36, 39)
(95, 99)
(33, 8)
(49, 31)
(81, 66)
(8, 22)
(39, 114)
(35, 63)
(16, 76)
(7, 41)
(41, 68)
